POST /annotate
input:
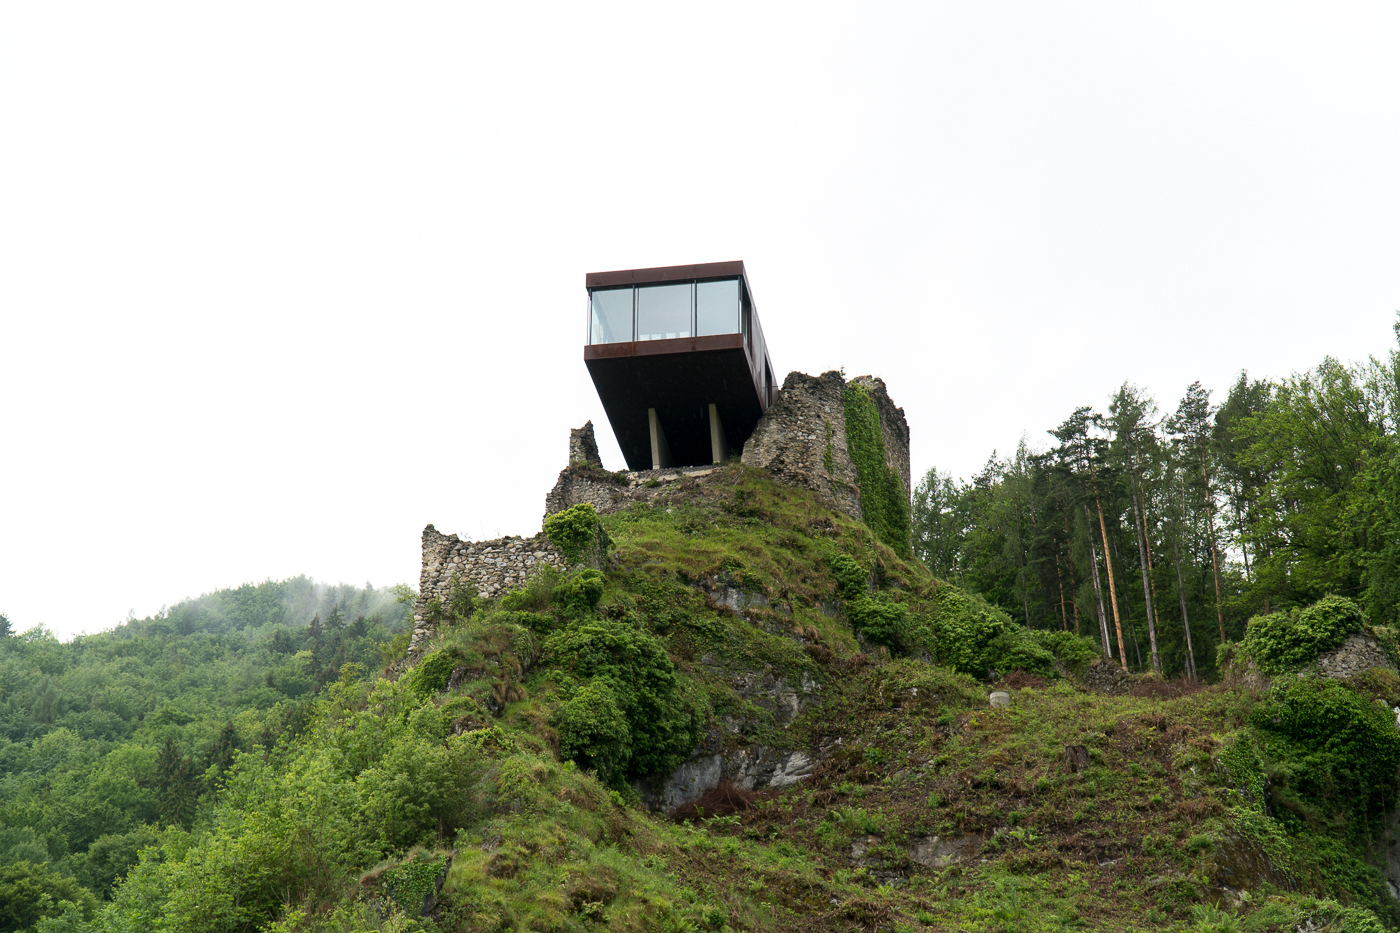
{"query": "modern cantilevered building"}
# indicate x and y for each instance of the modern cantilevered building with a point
(679, 361)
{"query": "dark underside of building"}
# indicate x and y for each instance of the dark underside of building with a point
(678, 357)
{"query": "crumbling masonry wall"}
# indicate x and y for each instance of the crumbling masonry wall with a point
(492, 567)
(801, 439)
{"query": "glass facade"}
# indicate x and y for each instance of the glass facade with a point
(717, 307)
(666, 312)
(610, 315)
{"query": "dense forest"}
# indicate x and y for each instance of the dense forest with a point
(1160, 533)
(110, 742)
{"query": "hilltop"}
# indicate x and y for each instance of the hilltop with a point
(534, 763)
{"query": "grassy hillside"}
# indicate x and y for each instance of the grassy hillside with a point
(496, 782)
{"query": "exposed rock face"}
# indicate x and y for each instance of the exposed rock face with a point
(695, 776)
(942, 851)
(1358, 654)
(771, 693)
(761, 768)
(756, 768)
(492, 567)
(801, 439)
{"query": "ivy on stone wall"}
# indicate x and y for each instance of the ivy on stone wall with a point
(412, 882)
(1286, 641)
(884, 502)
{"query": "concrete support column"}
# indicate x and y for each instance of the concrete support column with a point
(719, 444)
(660, 450)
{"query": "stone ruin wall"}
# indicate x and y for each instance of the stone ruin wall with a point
(585, 479)
(1357, 655)
(790, 442)
(492, 567)
(791, 439)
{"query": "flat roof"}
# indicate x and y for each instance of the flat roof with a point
(702, 270)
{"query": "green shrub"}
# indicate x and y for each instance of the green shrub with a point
(1018, 649)
(1244, 771)
(537, 594)
(540, 622)
(1285, 641)
(1336, 746)
(580, 591)
(575, 532)
(461, 601)
(421, 785)
(1073, 651)
(662, 725)
(874, 615)
(594, 732)
(852, 580)
(434, 671)
(410, 882)
(880, 619)
(970, 635)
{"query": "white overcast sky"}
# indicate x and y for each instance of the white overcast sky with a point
(281, 283)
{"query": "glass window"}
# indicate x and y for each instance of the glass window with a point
(663, 311)
(717, 307)
(611, 317)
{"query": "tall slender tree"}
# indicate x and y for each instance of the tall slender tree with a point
(1192, 423)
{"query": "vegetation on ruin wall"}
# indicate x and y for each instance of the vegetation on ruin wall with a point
(884, 502)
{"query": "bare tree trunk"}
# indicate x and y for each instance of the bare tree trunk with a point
(1141, 529)
(1128, 604)
(1113, 587)
(1098, 591)
(1059, 578)
(1214, 551)
(1185, 619)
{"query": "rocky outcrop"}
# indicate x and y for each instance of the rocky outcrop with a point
(1106, 676)
(1357, 655)
(751, 769)
(941, 851)
(801, 439)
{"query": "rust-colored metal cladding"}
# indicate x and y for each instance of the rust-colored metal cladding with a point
(674, 398)
(661, 274)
